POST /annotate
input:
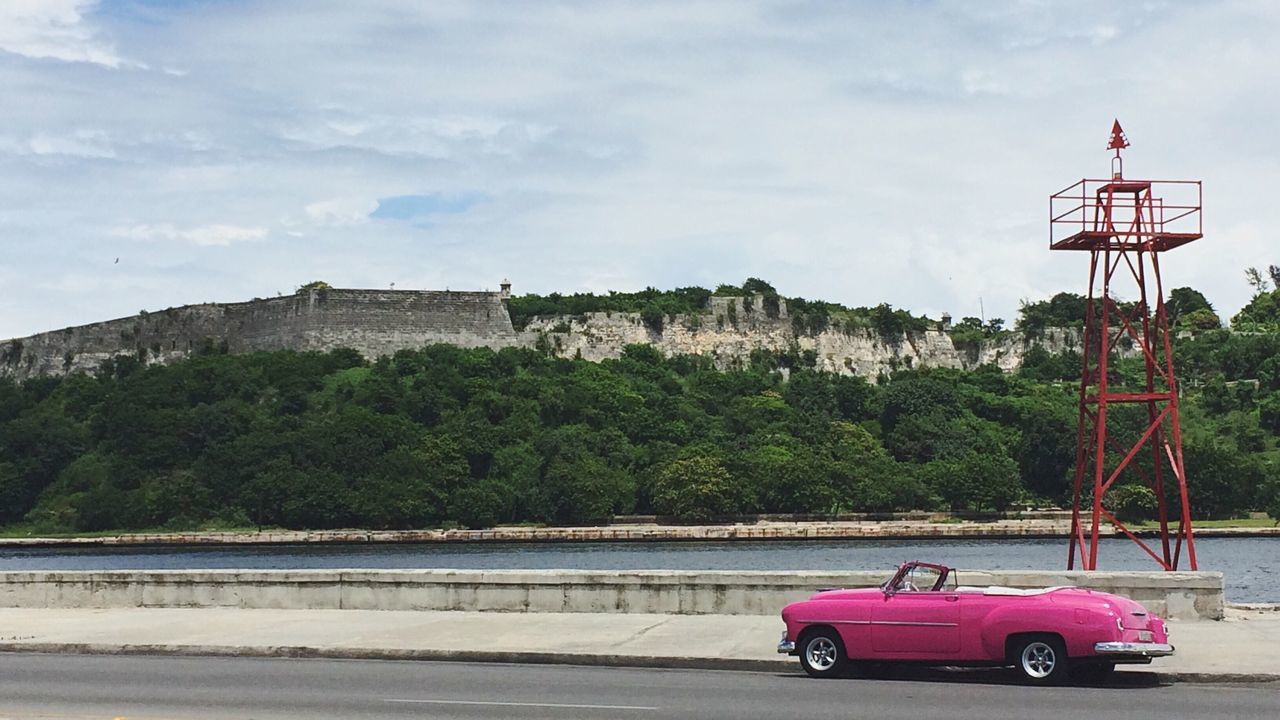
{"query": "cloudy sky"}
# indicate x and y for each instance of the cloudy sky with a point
(164, 152)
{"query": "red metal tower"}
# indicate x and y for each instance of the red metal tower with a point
(1124, 225)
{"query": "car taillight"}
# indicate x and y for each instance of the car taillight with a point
(1120, 624)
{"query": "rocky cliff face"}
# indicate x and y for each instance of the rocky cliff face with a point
(730, 336)
(376, 323)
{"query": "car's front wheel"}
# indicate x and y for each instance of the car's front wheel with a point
(822, 653)
(1040, 659)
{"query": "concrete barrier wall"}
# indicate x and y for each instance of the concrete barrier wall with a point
(1181, 595)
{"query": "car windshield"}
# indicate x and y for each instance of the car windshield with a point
(917, 578)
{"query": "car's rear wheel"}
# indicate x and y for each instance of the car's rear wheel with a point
(1040, 659)
(1093, 673)
(822, 653)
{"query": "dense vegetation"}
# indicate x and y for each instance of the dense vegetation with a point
(446, 435)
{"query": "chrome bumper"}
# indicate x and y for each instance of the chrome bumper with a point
(1133, 648)
(785, 646)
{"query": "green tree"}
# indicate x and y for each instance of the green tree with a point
(887, 323)
(1269, 413)
(585, 477)
(38, 444)
(85, 497)
(1046, 448)
(476, 506)
(1256, 280)
(317, 498)
(1219, 481)
(920, 394)
(1062, 310)
(1262, 312)
(767, 411)
(1132, 502)
(175, 500)
(1200, 320)
(785, 476)
(698, 487)
(975, 481)
(865, 478)
(1269, 496)
(755, 285)
(1182, 302)
(14, 492)
(517, 471)
(1215, 396)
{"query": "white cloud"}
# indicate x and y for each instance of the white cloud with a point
(76, 144)
(980, 82)
(53, 29)
(855, 152)
(81, 143)
(342, 210)
(431, 136)
(205, 235)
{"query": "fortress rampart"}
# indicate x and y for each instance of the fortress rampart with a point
(380, 322)
(374, 322)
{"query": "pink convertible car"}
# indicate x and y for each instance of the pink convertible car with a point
(923, 615)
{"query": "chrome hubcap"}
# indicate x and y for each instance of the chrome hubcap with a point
(821, 653)
(1038, 660)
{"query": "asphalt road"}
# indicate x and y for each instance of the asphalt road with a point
(149, 688)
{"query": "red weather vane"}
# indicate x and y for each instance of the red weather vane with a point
(1118, 140)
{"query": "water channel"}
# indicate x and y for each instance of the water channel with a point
(1251, 565)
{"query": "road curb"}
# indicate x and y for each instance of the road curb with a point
(1219, 678)
(514, 657)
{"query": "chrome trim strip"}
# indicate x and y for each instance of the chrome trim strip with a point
(1133, 648)
(915, 624)
(878, 622)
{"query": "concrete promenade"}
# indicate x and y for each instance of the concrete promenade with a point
(1240, 648)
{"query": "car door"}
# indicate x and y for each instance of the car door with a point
(916, 623)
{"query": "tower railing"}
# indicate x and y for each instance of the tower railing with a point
(1174, 213)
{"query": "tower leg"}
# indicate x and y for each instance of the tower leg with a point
(1100, 422)
(1175, 453)
(1149, 351)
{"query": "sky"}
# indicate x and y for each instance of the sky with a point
(156, 153)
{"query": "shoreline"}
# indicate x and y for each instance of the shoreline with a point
(620, 533)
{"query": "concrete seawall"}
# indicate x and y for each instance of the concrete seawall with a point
(1179, 595)
(639, 533)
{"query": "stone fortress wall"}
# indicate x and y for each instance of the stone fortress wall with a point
(374, 322)
(380, 322)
